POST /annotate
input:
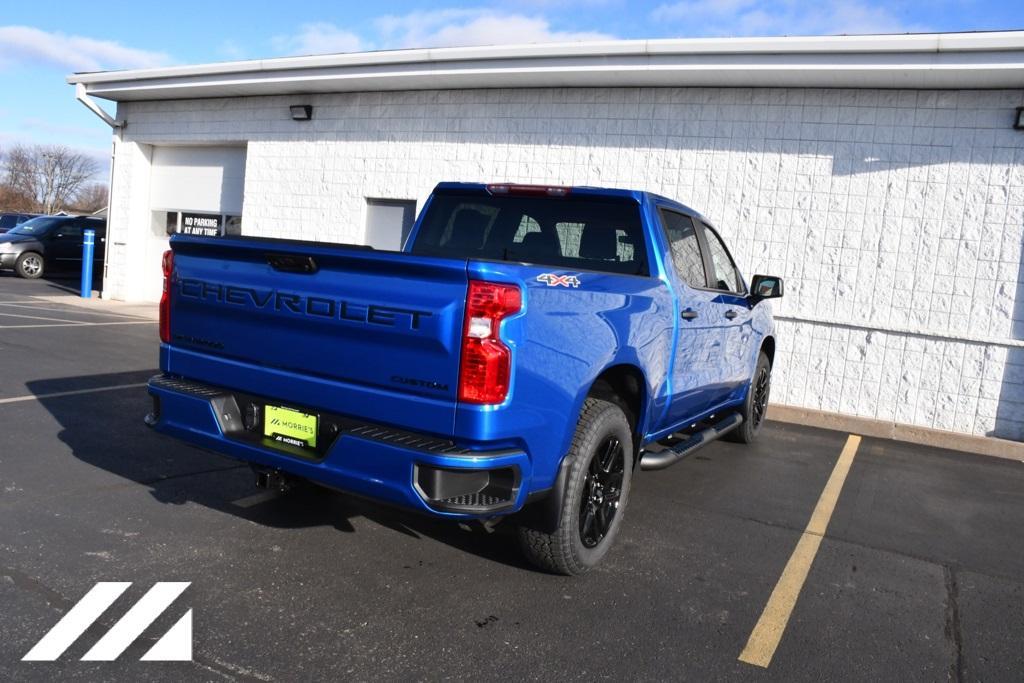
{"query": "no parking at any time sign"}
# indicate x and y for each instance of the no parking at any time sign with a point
(201, 225)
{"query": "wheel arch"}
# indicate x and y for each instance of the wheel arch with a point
(623, 383)
(768, 346)
(626, 385)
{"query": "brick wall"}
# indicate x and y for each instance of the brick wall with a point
(897, 217)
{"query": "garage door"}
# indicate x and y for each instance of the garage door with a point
(202, 179)
(200, 187)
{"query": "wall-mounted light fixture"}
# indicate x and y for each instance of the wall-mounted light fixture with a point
(1018, 122)
(301, 112)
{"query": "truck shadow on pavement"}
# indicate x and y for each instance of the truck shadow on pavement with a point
(105, 429)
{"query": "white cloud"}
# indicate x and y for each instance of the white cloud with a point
(435, 28)
(27, 45)
(230, 49)
(779, 17)
(317, 39)
(458, 27)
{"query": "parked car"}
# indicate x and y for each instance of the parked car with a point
(10, 220)
(527, 350)
(49, 243)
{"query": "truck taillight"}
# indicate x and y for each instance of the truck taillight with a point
(165, 298)
(486, 368)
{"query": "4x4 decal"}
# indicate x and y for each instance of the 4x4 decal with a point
(552, 280)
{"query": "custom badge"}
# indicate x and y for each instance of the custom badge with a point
(552, 280)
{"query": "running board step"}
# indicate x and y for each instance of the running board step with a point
(670, 456)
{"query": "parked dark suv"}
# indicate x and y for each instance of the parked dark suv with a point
(10, 220)
(49, 243)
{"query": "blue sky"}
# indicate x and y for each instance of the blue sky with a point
(42, 42)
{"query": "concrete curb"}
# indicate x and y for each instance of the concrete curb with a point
(925, 436)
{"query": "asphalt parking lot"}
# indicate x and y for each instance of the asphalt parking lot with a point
(919, 576)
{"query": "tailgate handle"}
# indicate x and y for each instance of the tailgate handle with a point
(290, 263)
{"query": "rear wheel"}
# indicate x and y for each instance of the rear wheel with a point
(755, 407)
(29, 265)
(597, 490)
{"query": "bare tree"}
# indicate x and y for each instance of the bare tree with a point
(18, 189)
(92, 197)
(50, 174)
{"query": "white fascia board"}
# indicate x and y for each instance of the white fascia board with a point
(980, 60)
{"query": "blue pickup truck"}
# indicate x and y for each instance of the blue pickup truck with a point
(526, 352)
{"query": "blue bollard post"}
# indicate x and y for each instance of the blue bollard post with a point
(88, 247)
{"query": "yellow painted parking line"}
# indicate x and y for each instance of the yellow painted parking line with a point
(74, 392)
(767, 634)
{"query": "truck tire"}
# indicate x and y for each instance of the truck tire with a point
(29, 265)
(600, 468)
(755, 407)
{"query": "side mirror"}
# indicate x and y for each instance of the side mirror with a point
(765, 287)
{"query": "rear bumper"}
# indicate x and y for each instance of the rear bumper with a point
(419, 472)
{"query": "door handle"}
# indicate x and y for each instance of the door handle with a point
(730, 314)
(688, 314)
(289, 263)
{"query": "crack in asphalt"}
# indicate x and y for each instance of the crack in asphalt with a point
(943, 564)
(30, 584)
(185, 475)
(954, 632)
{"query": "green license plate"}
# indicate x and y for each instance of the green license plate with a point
(290, 426)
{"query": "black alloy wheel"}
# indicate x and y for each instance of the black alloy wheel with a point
(601, 492)
(755, 408)
(761, 385)
(595, 478)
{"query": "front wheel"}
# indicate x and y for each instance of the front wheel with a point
(755, 407)
(596, 493)
(29, 265)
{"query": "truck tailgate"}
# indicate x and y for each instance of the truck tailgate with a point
(381, 329)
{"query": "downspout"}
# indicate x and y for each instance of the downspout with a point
(117, 128)
(82, 96)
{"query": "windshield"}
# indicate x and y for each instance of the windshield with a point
(36, 226)
(574, 232)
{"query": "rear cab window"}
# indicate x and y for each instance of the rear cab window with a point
(575, 232)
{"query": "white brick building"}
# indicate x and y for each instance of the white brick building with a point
(881, 176)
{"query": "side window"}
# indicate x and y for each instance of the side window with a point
(682, 238)
(98, 226)
(726, 276)
(8, 222)
(69, 231)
